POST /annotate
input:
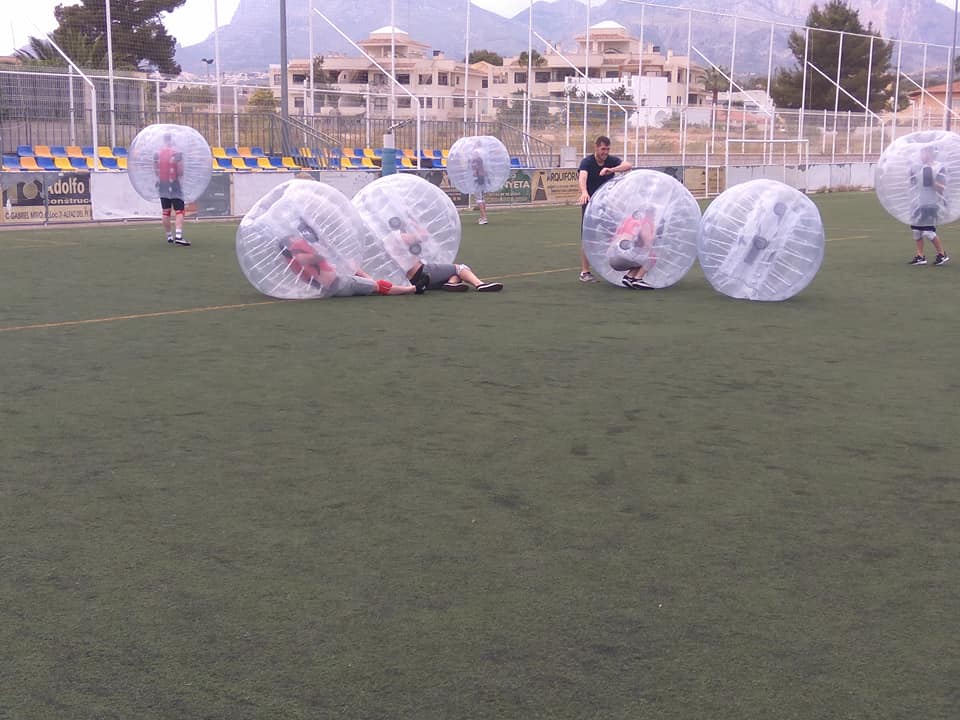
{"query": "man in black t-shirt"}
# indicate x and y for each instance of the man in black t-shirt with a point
(594, 171)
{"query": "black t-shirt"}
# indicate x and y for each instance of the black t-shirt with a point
(594, 181)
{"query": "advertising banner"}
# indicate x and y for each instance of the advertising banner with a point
(46, 197)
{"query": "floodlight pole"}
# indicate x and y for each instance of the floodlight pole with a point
(284, 110)
(113, 112)
(953, 55)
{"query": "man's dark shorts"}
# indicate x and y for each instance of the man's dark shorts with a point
(175, 203)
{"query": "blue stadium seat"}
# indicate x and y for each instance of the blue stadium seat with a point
(277, 162)
(107, 163)
(25, 150)
(11, 162)
(257, 152)
(251, 162)
(58, 151)
(46, 163)
(119, 152)
(88, 151)
(515, 162)
(231, 152)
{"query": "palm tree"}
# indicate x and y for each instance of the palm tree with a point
(85, 53)
(715, 80)
(538, 59)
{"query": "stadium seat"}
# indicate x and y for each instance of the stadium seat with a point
(445, 153)
(276, 161)
(515, 162)
(25, 150)
(289, 162)
(231, 152)
(371, 153)
(29, 163)
(104, 151)
(238, 163)
(440, 162)
(87, 151)
(264, 163)
(105, 163)
(218, 152)
(42, 151)
(223, 163)
(45, 162)
(243, 151)
(63, 163)
(257, 152)
(119, 152)
(74, 151)
(346, 152)
(368, 163)
(251, 163)
(122, 163)
(437, 154)
(345, 163)
(408, 153)
(58, 151)
(11, 162)
(407, 162)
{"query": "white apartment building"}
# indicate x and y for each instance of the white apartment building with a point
(354, 86)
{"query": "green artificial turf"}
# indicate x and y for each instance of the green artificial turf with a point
(559, 501)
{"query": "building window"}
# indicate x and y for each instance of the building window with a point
(485, 83)
(692, 100)
(361, 77)
(380, 104)
(612, 74)
(403, 78)
(499, 102)
(541, 77)
(428, 102)
(403, 102)
(519, 78)
(668, 99)
(441, 103)
(443, 78)
(458, 102)
(425, 79)
(299, 78)
(298, 103)
(276, 79)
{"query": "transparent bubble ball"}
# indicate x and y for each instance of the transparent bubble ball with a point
(761, 240)
(478, 164)
(171, 161)
(410, 219)
(642, 218)
(913, 178)
(301, 240)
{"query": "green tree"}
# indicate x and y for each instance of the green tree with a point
(485, 56)
(139, 39)
(81, 50)
(538, 59)
(823, 49)
(715, 81)
(511, 113)
(262, 99)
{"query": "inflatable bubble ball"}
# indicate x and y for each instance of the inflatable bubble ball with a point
(641, 225)
(913, 178)
(169, 161)
(761, 240)
(479, 164)
(301, 240)
(410, 219)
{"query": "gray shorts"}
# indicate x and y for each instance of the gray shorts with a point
(350, 286)
(439, 273)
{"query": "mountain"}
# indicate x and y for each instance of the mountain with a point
(250, 42)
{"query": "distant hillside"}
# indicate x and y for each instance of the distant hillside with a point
(250, 42)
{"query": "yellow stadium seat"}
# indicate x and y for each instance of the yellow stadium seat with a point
(369, 153)
(445, 154)
(104, 151)
(74, 151)
(29, 163)
(407, 162)
(306, 152)
(63, 163)
(264, 163)
(218, 152)
(238, 164)
(367, 162)
(42, 151)
(288, 162)
(121, 163)
(408, 153)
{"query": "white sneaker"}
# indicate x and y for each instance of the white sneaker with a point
(482, 221)
(587, 277)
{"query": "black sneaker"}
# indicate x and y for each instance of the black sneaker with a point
(626, 281)
(919, 260)
(640, 284)
(490, 287)
(423, 282)
(941, 260)
(181, 241)
(170, 239)
(456, 287)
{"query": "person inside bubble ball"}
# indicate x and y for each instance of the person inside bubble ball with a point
(310, 266)
(405, 245)
(631, 248)
(930, 180)
(480, 178)
(594, 171)
(168, 165)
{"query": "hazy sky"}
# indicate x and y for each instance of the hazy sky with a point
(191, 23)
